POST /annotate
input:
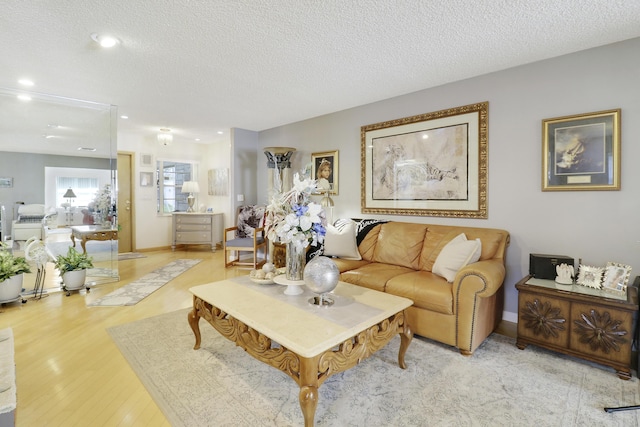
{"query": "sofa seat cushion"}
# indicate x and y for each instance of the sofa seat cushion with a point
(348, 264)
(427, 290)
(373, 275)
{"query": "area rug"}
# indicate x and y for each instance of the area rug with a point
(500, 385)
(130, 255)
(135, 291)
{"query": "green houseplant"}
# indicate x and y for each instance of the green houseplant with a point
(11, 274)
(73, 268)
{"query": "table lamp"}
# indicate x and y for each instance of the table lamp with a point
(69, 195)
(190, 187)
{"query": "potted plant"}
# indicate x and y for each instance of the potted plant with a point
(11, 274)
(73, 269)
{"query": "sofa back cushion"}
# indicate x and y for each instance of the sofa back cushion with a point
(494, 242)
(400, 243)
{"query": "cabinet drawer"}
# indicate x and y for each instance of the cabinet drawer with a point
(193, 227)
(195, 219)
(193, 237)
(544, 319)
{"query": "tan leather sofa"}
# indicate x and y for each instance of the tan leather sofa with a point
(398, 258)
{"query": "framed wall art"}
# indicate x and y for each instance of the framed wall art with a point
(146, 179)
(218, 182)
(581, 152)
(6, 182)
(324, 169)
(616, 277)
(433, 164)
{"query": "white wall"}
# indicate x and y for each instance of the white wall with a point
(596, 226)
(153, 230)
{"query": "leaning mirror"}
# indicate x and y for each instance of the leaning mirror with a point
(58, 159)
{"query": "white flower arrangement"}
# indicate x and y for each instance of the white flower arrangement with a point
(293, 218)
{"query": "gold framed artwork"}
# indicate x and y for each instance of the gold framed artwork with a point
(433, 164)
(324, 169)
(581, 152)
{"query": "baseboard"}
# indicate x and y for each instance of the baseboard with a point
(510, 317)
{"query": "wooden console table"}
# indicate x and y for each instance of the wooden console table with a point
(578, 321)
(91, 232)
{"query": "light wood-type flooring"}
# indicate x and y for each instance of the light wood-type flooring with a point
(69, 371)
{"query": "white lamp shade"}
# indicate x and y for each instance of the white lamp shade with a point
(190, 187)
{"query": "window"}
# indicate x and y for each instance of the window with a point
(170, 176)
(85, 190)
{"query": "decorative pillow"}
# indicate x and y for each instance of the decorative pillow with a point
(249, 218)
(341, 241)
(455, 255)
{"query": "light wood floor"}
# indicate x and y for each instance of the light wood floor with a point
(69, 371)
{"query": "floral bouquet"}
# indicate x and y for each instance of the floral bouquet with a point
(293, 218)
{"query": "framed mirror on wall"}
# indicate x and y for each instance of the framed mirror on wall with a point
(61, 156)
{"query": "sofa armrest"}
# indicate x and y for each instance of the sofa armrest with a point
(482, 279)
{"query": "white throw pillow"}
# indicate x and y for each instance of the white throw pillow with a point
(455, 255)
(342, 242)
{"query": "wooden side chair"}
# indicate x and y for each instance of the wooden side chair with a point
(247, 236)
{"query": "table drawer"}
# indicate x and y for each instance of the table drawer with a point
(187, 219)
(193, 227)
(193, 236)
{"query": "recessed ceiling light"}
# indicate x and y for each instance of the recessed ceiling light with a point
(24, 97)
(48, 136)
(220, 132)
(104, 40)
(86, 149)
(197, 139)
(25, 82)
(124, 117)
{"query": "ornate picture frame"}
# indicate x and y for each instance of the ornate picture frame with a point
(616, 277)
(433, 164)
(590, 276)
(325, 162)
(581, 152)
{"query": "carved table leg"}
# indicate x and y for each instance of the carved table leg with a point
(83, 243)
(405, 339)
(73, 240)
(308, 389)
(195, 326)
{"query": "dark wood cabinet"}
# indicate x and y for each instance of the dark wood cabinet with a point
(578, 321)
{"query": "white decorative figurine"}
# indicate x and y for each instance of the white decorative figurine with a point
(565, 274)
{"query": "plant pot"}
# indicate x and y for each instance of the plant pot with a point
(11, 288)
(74, 280)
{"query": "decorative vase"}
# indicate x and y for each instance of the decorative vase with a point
(11, 288)
(295, 261)
(74, 280)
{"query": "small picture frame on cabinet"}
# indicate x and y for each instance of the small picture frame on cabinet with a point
(590, 276)
(616, 277)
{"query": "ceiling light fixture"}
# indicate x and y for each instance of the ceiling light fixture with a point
(164, 137)
(104, 41)
(25, 82)
(86, 149)
(24, 97)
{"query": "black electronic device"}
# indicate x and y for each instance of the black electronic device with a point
(543, 266)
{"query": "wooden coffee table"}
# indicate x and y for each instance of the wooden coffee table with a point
(306, 342)
(91, 232)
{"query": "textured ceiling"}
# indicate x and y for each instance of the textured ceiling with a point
(199, 66)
